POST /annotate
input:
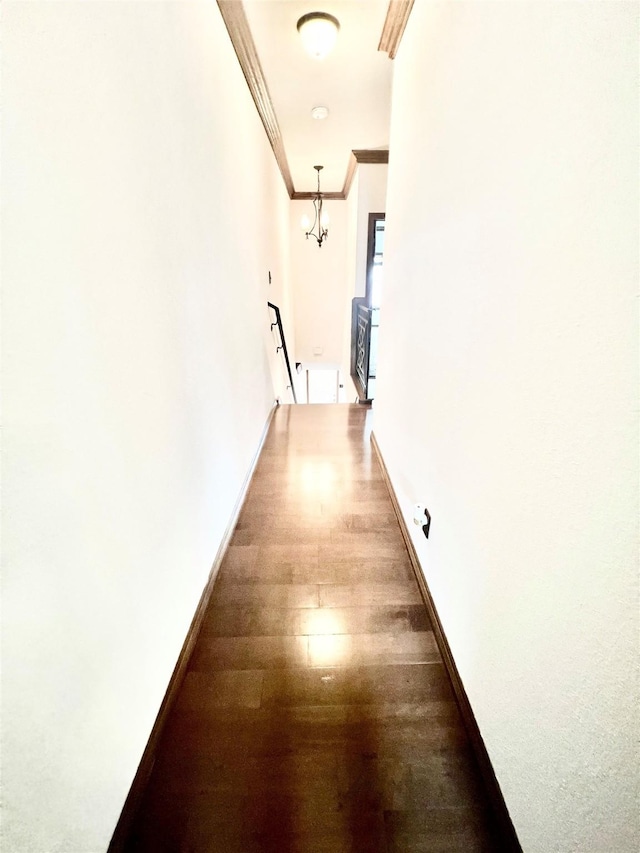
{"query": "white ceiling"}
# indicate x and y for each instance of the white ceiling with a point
(354, 82)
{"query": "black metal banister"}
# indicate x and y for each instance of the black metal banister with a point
(361, 324)
(283, 347)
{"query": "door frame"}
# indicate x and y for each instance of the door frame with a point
(371, 245)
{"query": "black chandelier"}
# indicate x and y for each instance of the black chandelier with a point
(321, 219)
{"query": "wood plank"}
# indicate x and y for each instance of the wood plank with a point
(504, 829)
(140, 782)
(316, 713)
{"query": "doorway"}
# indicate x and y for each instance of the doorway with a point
(365, 314)
(323, 385)
(375, 253)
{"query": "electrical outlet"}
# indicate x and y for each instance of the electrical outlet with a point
(422, 517)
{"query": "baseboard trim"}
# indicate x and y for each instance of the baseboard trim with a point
(139, 784)
(503, 824)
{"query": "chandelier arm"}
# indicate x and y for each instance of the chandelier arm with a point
(323, 231)
(315, 207)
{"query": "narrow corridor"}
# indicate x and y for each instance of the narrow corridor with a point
(316, 715)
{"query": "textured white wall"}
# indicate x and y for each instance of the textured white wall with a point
(508, 389)
(142, 209)
(319, 281)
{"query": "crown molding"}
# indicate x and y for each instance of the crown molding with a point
(351, 172)
(395, 22)
(309, 196)
(235, 20)
(371, 155)
(363, 155)
(376, 156)
(237, 25)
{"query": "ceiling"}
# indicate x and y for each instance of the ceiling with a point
(353, 81)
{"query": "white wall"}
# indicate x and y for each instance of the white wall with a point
(508, 387)
(326, 279)
(353, 246)
(352, 214)
(280, 294)
(368, 195)
(136, 380)
(319, 281)
(372, 198)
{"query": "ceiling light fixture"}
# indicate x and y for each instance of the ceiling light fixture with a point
(318, 32)
(321, 218)
(319, 113)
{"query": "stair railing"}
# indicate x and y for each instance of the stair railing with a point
(360, 346)
(282, 347)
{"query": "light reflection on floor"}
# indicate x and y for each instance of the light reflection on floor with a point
(318, 478)
(328, 643)
(324, 621)
(330, 650)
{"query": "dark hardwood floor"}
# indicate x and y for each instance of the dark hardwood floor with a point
(316, 715)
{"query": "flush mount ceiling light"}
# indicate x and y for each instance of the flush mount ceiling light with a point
(321, 219)
(319, 113)
(318, 32)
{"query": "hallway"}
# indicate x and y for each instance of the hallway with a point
(316, 715)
